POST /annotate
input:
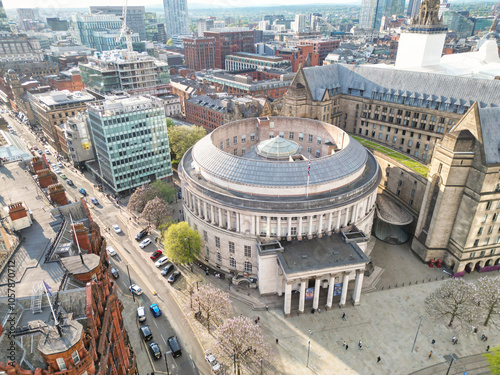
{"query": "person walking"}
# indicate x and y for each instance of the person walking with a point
(347, 347)
(344, 317)
(433, 341)
(488, 348)
(277, 341)
(453, 339)
(343, 344)
(430, 354)
(378, 359)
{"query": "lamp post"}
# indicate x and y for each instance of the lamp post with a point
(130, 281)
(308, 348)
(418, 329)
(166, 363)
(452, 359)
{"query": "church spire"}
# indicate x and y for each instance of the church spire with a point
(428, 14)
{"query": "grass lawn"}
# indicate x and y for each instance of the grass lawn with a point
(413, 164)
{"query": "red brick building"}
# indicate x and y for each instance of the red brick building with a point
(71, 82)
(199, 53)
(231, 40)
(322, 47)
(304, 55)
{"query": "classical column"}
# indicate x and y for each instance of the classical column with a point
(288, 298)
(278, 228)
(253, 225)
(317, 287)
(339, 214)
(355, 213)
(331, 287)
(289, 229)
(220, 216)
(345, 285)
(299, 232)
(237, 222)
(205, 213)
(329, 229)
(357, 287)
(268, 226)
(320, 226)
(346, 219)
(229, 224)
(309, 229)
(199, 207)
(212, 213)
(257, 225)
(302, 298)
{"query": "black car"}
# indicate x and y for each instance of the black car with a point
(168, 268)
(143, 233)
(174, 346)
(69, 182)
(174, 277)
(146, 333)
(115, 273)
(155, 350)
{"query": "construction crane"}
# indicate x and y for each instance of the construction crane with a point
(125, 30)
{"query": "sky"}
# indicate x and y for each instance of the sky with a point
(54, 4)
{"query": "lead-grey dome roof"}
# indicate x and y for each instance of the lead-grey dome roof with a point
(222, 165)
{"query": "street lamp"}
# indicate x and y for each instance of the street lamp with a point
(308, 347)
(166, 363)
(452, 359)
(130, 281)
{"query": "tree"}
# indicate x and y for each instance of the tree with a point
(162, 190)
(240, 340)
(138, 199)
(182, 243)
(488, 289)
(455, 299)
(157, 211)
(181, 138)
(170, 122)
(493, 358)
(214, 304)
(170, 42)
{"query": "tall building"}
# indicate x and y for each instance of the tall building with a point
(199, 53)
(458, 23)
(205, 24)
(413, 7)
(372, 12)
(121, 70)
(300, 22)
(176, 16)
(25, 15)
(155, 32)
(4, 21)
(57, 24)
(322, 47)
(99, 31)
(300, 55)
(135, 17)
(78, 139)
(131, 141)
(15, 49)
(230, 40)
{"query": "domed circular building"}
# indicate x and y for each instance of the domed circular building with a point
(283, 203)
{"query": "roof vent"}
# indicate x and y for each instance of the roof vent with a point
(304, 256)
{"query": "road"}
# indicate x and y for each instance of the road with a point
(142, 271)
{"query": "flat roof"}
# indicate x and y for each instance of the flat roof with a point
(320, 253)
(54, 343)
(256, 56)
(75, 266)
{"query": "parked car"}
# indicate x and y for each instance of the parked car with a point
(70, 183)
(60, 165)
(169, 267)
(116, 228)
(136, 289)
(161, 261)
(115, 273)
(57, 170)
(35, 148)
(47, 152)
(143, 233)
(173, 277)
(155, 310)
(40, 152)
(82, 191)
(141, 314)
(146, 333)
(53, 166)
(94, 201)
(155, 350)
(174, 346)
(63, 176)
(111, 251)
(145, 243)
(214, 365)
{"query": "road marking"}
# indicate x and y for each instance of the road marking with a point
(156, 324)
(163, 338)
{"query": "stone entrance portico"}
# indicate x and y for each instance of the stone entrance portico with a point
(328, 263)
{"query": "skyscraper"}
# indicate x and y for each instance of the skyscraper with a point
(4, 21)
(372, 12)
(176, 16)
(413, 7)
(135, 17)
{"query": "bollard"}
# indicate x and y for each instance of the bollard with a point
(429, 279)
(396, 286)
(423, 281)
(382, 288)
(389, 287)
(403, 284)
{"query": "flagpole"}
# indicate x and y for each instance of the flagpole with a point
(307, 187)
(50, 304)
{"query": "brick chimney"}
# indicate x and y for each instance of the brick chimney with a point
(17, 211)
(58, 195)
(45, 178)
(82, 234)
(36, 164)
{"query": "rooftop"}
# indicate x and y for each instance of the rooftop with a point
(256, 56)
(320, 253)
(56, 98)
(12, 147)
(75, 266)
(54, 343)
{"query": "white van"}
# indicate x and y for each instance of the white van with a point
(141, 314)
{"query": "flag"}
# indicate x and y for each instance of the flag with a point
(309, 169)
(47, 288)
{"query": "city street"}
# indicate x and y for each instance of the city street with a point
(143, 272)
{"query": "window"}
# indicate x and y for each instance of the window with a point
(248, 267)
(282, 134)
(217, 241)
(488, 205)
(231, 247)
(495, 216)
(248, 251)
(476, 242)
(271, 134)
(318, 153)
(61, 364)
(374, 126)
(301, 136)
(486, 240)
(232, 262)
(252, 136)
(235, 140)
(243, 138)
(219, 258)
(490, 229)
(309, 150)
(480, 231)
(318, 140)
(379, 135)
(207, 252)
(293, 231)
(310, 138)
(394, 139)
(76, 357)
(235, 151)
(483, 220)
(290, 135)
(410, 143)
(228, 143)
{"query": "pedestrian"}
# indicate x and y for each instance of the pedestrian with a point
(485, 338)
(256, 321)
(360, 347)
(313, 310)
(378, 359)
(359, 343)
(488, 348)
(346, 347)
(343, 344)
(482, 337)
(475, 330)
(277, 341)
(344, 317)
(258, 318)
(267, 308)
(433, 341)
(453, 339)
(430, 354)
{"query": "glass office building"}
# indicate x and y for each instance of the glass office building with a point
(131, 141)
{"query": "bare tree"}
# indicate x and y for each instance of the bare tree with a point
(488, 290)
(455, 299)
(240, 340)
(214, 304)
(157, 211)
